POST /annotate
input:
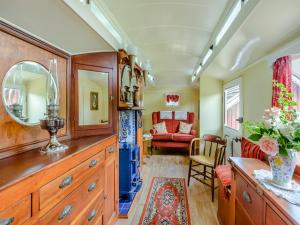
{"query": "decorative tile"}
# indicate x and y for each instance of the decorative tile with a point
(127, 126)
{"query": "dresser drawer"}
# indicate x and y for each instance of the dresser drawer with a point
(69, 208)
(17, 213)
(56, 190)
(249, 200)
(109, 151)
(93, 213)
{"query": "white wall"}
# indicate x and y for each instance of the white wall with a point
(211, 106)
(257, 90)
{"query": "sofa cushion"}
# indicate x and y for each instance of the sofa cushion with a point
(185, 128)
(162, 137)
(160, 128)
(182, 137)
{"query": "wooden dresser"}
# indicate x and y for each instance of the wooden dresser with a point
(79, 186)
(254, 205)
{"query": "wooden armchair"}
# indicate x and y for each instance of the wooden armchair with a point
(205, 155)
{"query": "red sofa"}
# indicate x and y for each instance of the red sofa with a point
(172, 139)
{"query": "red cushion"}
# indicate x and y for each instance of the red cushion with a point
(223, 172)
(182, 137)
(251, 150)
(162, 137)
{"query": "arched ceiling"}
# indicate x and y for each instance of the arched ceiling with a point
(170, 33)
(271, 25)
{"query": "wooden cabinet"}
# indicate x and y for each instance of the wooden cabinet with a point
(79, 186)
(272, 218)
(110, 195)
(254, 205)
(249, 201)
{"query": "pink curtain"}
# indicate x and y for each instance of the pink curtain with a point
(282, 74)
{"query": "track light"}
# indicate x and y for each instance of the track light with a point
(208, 54)
(198, 69)
(232, 16)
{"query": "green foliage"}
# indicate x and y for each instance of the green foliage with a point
(284, 128)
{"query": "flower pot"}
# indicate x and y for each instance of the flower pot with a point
(282, 168)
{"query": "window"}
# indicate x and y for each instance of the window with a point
(232, 107)
(296, 90)
(12, 95)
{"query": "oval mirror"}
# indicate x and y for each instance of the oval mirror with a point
(24, 92)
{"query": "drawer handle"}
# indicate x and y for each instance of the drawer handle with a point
(246, 197)
(92, 186)
(93, 163)
(111, 150)
(7, 221)
(92, 215)
(67, 181)
(67, 211)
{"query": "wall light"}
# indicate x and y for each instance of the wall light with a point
(208, 54)
(232, 16)
(193, 77)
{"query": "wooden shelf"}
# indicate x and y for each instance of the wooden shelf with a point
(131, 108)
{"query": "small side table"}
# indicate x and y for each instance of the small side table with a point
(146, 144)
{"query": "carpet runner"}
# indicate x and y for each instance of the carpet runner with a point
(167, 203)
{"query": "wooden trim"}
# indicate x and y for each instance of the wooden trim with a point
(9, 29)
(100, 61)
(23, 36)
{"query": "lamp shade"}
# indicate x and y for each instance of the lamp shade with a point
(53, 84)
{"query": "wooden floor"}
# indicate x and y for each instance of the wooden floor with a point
(202, 210)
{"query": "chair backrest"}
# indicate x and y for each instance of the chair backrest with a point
(172, 124)
(212, 143)
(211, 146)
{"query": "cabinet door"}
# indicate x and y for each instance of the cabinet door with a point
(272, 218)
(110, 189)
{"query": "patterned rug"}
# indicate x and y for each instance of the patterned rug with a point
(167, 203)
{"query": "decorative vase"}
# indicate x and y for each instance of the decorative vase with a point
(136, 97)
(282, 168)
(127, 95)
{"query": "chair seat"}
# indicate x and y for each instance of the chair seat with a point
(209, 161)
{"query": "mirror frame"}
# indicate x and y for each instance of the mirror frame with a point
(76, 99)
(4, 100)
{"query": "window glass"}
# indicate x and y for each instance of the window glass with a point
(232, 107)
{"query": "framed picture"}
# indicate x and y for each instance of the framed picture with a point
(94, 100)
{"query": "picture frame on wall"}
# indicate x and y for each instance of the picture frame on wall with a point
(94, 99)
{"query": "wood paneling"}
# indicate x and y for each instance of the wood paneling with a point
(106, 62)
(111, 189)
(16, 46)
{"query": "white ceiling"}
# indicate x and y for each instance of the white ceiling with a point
(54, 22)
(170, 33)
(271, 24)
